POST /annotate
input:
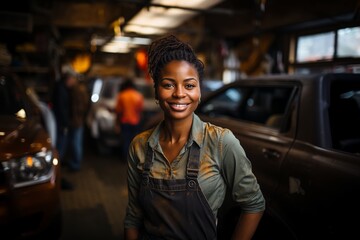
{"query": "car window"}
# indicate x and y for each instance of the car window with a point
(264, 105)
(345, 116)
(224, 104)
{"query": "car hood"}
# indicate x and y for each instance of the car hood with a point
(21, 137)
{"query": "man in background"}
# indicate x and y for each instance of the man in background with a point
(79, 106)
(70, 103)
(129, 109)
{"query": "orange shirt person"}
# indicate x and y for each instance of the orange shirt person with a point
(129, 108)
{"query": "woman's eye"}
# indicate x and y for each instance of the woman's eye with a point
(189, 86)
(167, 85)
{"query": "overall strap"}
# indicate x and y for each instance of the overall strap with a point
(148, 161)
(192, 169)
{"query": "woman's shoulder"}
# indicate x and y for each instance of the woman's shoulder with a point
(143, 136)
(223, 134)
(212, 128)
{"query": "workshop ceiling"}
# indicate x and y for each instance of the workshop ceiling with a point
(75, 22)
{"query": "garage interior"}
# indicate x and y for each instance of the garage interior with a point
(40, 35)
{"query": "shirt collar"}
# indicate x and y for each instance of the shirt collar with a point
(196, 135)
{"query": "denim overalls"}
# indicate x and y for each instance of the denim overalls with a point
(176, 208)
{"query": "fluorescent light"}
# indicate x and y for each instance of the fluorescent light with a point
(132, 40)
(161, 17)
(146, 30)
(159, 20)
(197, 4)
(113, 47)
(123, 44)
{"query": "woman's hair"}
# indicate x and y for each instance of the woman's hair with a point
(167, 49)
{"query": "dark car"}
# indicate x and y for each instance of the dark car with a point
(29, 167)
(302, 136)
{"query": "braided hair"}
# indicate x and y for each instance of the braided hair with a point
(169, 48)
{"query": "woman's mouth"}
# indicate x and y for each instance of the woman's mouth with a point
(178, 106)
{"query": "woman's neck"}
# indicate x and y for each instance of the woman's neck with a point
(174, 131)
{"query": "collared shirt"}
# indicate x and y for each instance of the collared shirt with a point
(223, 164)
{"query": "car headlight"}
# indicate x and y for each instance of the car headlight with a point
(31, 169)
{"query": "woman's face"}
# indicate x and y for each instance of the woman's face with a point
(178, 89)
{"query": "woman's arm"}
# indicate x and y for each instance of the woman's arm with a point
(246, 226)
(131, 234)
(245, 189)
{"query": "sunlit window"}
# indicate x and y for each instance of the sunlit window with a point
(348, 42)
(315, 47)
(321, 46)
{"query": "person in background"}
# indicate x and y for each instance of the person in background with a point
(180, 170)
(79, 106)
(129, 109)
(61, 104)
(70, 103)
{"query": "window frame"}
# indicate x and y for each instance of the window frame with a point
(335, 64)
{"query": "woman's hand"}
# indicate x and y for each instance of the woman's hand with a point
(246, 226)
(131, 234)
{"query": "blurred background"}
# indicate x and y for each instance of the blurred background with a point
(104, 41)
(234, 38)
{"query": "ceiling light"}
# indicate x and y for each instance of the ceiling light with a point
(113, 47)
(164, 15)
(132, 40)
(123, 44)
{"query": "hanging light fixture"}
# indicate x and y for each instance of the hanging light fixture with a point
(164, 15)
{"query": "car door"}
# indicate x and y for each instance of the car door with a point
(259, 115)
(320, 187)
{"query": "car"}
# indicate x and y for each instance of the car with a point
(30, 205)
(302, 136)
(101, 117)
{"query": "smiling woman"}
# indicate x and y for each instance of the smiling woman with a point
(179, 90)
(185, 164)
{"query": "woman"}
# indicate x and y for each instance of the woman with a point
(179, 171)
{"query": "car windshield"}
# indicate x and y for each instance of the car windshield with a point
(11, 99)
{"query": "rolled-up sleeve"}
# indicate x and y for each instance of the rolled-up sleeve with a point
(238, 175)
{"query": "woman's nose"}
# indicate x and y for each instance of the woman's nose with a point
(179, 92)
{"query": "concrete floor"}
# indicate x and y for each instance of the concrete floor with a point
(95, 208)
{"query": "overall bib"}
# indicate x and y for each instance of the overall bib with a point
(176, 208)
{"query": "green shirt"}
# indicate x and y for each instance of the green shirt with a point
(223, 165)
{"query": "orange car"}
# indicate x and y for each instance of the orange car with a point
(29, 169)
